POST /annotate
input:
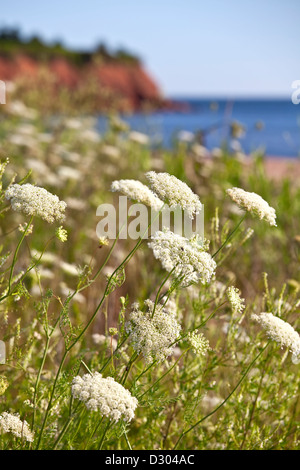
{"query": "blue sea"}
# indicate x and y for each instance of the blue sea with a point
(272, 125)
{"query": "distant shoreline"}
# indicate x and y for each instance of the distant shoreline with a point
(281, 167)
(228, 98)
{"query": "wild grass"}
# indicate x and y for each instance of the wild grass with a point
(57, 298)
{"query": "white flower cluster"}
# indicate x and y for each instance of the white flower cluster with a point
(281, 332)
(155, 336)
(100, 340)
(137, 191)
(22, 228)
(174, 192)
(185, 256)
(253, 203)
(12, 423)
(199, 343)
(32, 200)
(236, 302)
(138, 137)
(104, 395)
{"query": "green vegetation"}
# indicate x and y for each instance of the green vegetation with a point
(58, 297)
(12, 43)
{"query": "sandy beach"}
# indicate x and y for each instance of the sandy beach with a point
(278, 168)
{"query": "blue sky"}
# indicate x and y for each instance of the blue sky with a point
(191, 47)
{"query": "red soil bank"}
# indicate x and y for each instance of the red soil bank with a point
(129, 81)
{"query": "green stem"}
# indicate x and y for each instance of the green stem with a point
(115, 241)
(254, 404)
(184, 433)
(111, 356)
(86, 367)
(81, 416)
(200, 325)
(38, 379)
(126, 439)
(176, 283)
(229, 236)
(79, 289)
(160, 289)
(145, 370)
(164, 375)
(108, 255)
(93, 432)
(128, 367)
(15, 259)
(66, 426)
(51, 398)
(48, 337)
(103, 436)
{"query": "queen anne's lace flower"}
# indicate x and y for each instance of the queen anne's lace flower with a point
(32, 200)
(100, 340)
(199, 343)
(236, 302)
(137, 191)
(104, 395)
(138, 137)
(253, 203)
(153, 336)
(174, 192)
(186, 257)
(281, 332)
(12, 423)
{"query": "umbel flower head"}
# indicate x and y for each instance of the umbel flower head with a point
(32, 200)
(281, 332)
(236, 302)
(105, 395)
(153, 335)
(174, 192)
(12, 423)
(185, 257)
(198, 342)
(253, 203)
(137, 191)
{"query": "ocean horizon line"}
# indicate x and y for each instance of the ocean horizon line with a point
(229, 98)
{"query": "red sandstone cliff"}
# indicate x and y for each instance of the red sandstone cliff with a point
(128, 81)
